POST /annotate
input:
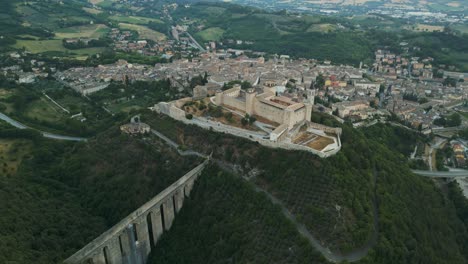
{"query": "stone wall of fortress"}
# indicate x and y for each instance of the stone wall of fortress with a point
(269, 112)
(234, 103)
(219, 127)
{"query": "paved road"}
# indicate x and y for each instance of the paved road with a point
(17, 124)
(442, 174)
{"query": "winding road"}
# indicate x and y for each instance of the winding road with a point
(442, 174)
(19, 125)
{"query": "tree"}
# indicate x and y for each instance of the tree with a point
(382, 88)
(320, 81)
(246, 85)
(450, 82)
(205, 78)
(244, 121)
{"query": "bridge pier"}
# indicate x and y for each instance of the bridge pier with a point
(97, 259)
(179, 200)
(143, 238)
(156, 222)
(113, 252)
(168, 211)
(188, 188)
(124, 245)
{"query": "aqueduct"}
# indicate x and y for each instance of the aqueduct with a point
(131, 240)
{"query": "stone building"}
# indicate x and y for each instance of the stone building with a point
(349, 107)
(267, 104)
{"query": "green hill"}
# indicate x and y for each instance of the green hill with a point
(66, 194)
(226, 221)
(417, 222)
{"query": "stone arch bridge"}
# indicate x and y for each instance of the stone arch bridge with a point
(130, 241)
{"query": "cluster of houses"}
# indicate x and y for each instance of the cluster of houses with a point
(19, 75)
(345, 91)
(124, 40)
(87, 80)
(392, 65)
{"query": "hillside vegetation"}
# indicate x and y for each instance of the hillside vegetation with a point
(66, 194)
(226, 221)
(417, 223)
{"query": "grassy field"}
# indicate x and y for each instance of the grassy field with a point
(50, 15)
(12, 152)
(135, 19)
(92, 10)
(211, 34)
(88, 31)
(144, 32)
(39, 46)
(5, 94)
(321, 28)
(42, 110)
(425, 28)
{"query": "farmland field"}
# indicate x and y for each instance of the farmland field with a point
(144, 32)
(211, 34)
(39, 46)
(135, 19)
(88, 31)
(426, 28)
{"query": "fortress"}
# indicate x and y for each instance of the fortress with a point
(281, 120)
(266, 104)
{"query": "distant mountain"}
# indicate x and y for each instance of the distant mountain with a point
(429, 5)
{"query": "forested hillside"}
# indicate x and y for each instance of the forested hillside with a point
(66, 194)
(226, 221)
(417, 223)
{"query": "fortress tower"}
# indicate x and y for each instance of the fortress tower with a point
(219, 97)
(249, 101)
(309, 103)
